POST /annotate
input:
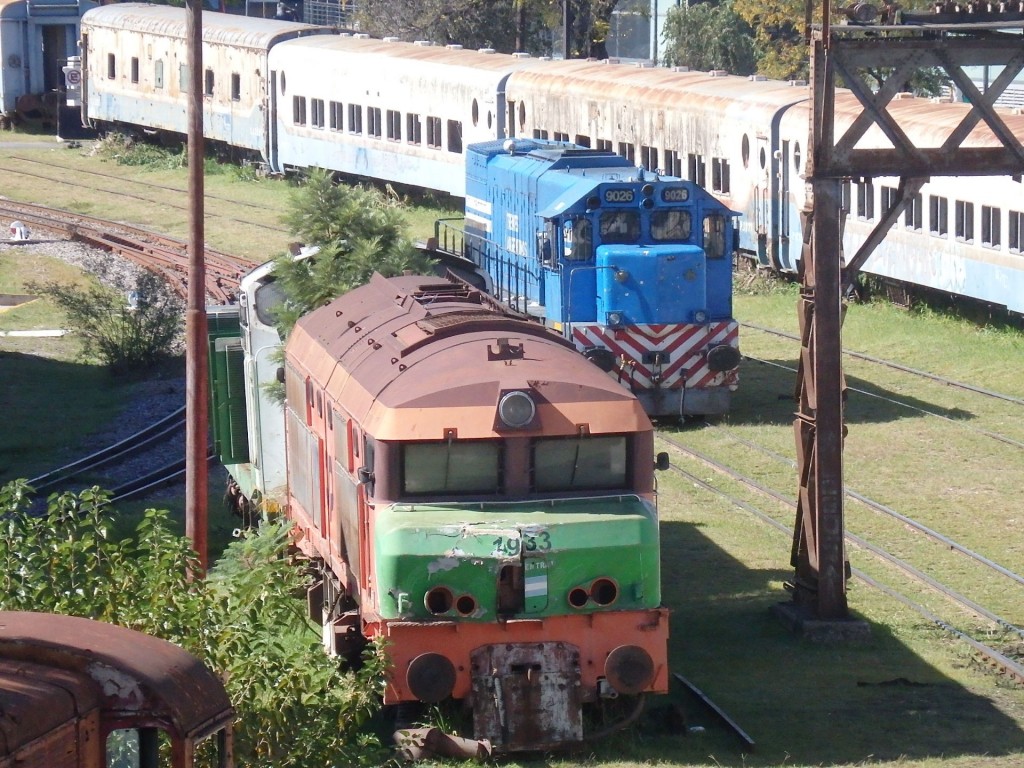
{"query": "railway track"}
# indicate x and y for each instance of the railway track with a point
(61, 178)
(132, 467)
(898, 367)
(164, 255)
(991, 655)
(920, 409)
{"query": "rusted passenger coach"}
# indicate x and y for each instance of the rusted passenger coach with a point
(480, 496)
(77, 693)
(135, 66)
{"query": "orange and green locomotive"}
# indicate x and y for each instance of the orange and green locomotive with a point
(480, 497)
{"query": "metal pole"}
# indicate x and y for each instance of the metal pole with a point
(196, 382)
(566, 28)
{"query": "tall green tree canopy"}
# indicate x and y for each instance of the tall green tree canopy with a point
(358, 231)
(534, 26)
(709, 37)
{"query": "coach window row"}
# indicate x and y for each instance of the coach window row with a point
(209, 77)
(376, 123)
(668, 161)
(969, 222)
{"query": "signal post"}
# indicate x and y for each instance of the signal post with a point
(949, 39)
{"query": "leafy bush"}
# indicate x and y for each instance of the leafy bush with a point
(124, 150)
(296, 706)
(126, 338)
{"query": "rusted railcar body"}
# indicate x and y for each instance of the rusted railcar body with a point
(51, 717)
(481, 498)
(134, 59)
(73, 681)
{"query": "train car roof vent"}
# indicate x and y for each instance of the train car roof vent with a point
(798, 83)
(390, 39)
(718, 73)
(361, 36)
(903, 96)
(453, 47)
(757, 78)
(642, 64)
(520, 55)
(680, 69)
(485, 50)
(423, 43)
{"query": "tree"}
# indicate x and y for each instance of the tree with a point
(358, 231)
(706, 37)
(506, 26)
(128, 333)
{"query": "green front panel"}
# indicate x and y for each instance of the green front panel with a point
(549, 547)
(227, 401)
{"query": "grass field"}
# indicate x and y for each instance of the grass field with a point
(908, 696)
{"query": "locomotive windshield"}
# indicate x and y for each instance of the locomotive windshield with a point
(579, 463)
(620, 226)
(670, 225)
(471, 466)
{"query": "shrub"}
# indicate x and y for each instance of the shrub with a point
(296, 706)
(125, 336)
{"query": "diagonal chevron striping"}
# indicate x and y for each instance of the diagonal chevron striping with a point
(683, 343)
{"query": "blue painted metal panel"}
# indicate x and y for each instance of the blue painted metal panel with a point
(659, 284)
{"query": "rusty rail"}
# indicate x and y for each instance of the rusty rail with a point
(162, 254)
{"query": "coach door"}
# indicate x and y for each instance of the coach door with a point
(272, 124)
(762, 201)
(782, 169)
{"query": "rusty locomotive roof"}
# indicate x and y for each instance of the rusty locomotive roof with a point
(135, 673)
(36, 699)
(412, 357)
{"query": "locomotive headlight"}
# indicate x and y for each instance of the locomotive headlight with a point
(516, 409)
(614, 319)
(700, 316)
(723, 358)
(630, 669)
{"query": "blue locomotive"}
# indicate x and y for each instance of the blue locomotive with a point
(634, 267)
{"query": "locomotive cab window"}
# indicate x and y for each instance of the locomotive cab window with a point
(580, 463)
(577, 240)
(451, 467)
(670, 225)
(714, 236)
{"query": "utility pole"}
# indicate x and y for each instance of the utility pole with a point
(196, 352)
